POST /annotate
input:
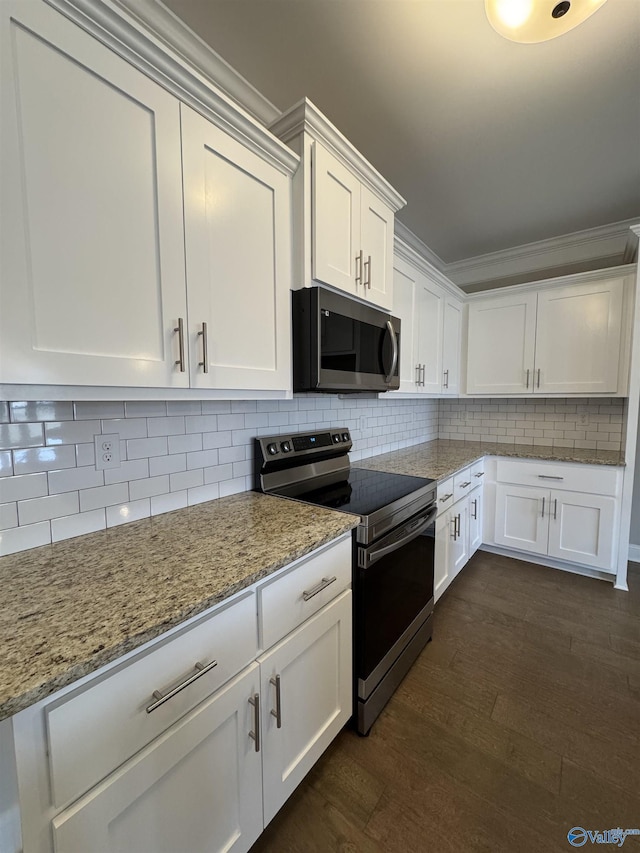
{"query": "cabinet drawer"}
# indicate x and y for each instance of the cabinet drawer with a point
(463, 482)
(445, 495)
(596, 479)
(281, 601)
(477, 474)
(96, 728)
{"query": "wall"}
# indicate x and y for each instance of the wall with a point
(594, 424)
(174, 454)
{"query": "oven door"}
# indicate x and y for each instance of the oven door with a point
(393, 597)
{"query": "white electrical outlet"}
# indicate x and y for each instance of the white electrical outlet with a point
(107, 451)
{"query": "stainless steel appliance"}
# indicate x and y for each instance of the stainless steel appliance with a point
(393, 551)
(341, 345)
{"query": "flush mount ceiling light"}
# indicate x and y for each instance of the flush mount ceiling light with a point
(532, 21)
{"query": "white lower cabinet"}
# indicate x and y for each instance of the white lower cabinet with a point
(458, 529)
(195, 788)
(520, 518)
(306, 694)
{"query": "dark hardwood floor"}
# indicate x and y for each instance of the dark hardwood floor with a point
(519, 721)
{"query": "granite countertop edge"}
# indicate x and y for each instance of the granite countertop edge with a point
(340, 523)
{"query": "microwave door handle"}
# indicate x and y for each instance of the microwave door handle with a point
(394, 359)
(372, 557)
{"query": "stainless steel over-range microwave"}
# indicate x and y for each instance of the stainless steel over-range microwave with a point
(341, 345)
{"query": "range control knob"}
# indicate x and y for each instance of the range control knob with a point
(286, 446)
(336, 438)
(272, 449)
(345, 436)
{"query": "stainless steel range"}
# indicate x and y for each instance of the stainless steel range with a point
(393, 551)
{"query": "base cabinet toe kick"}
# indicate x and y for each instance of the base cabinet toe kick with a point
(565, 515)
(104, 765)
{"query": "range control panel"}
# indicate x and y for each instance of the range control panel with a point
(304, 444)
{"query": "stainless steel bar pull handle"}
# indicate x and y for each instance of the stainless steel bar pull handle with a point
(445, 498)
(455, 529)
(479, 474)
(278, 711)
(255, 734)
(446, 379)
(543, 501)
(424, 367)
(204, 364)
(180, 330)
(417, 374)
(458, 533)
(538, 385)
(475, 509)
(367, 281)
(324, 583)
(359, 264)
(465, 485)
(161, 698)
(549, 477)
(528, 372)
(555, 509)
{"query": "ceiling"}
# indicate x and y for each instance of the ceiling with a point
(493, 144)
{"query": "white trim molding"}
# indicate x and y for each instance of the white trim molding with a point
(408, 252)
(420, 248)
(605, 246)
(634, 553)
(306, 117)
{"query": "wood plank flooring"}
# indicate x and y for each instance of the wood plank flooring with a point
(519, 721)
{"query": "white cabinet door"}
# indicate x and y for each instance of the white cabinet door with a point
(314, 668)
(451, 342)
(501, 344)
(335, 218)
(582, 529)
(376, 241)
(578, 338)
(430, 307)
(475, 521)
(197, 788)
(92, 274)
(237, 227)
(404, 300)
(445, 532)
(522, 518)
(460, 543)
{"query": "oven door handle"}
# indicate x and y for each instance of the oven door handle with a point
(394, 357)
(415, 529)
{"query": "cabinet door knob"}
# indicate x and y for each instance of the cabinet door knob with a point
(180, 330)
(204, 364)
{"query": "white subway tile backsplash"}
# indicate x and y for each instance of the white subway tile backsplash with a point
(211, 440)
(231, 454)
(97, 411)
(37, 459)
(6, 463)
(186, 480)
(40, 411)
(145, 409)
(231, 422)
(21, 435)
(90, 499)
(203, 493)
(52, 506)
(137, 448)
(232, 487)
(166, 426)
(167, 464)
(202, 423)
(4, 414)
(77, 525)
(73, 479)
(23, 488)
(130, 511)
(216, 407)
(136, 469)
(71, 432)
(149, 487)
(185, 443)
(8, 515)
(24, 537)
(86, 454)
(218, 473)
(202, 459)
(184, 407)
(125, 427)
(168, 503)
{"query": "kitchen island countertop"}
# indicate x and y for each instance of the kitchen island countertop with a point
(441, 458)
(70, 608)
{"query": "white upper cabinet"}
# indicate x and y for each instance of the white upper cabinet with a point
(93, 280)
(95, 215)
(237, 227)
(568, 339)
(451, 343)
(429, 316)
(404, 301)
(344, 210)
(501, 344)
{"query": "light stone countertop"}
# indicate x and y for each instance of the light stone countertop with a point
(67, 609)
(440, 458)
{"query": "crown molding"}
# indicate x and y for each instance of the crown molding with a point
(305, 117)
(592, 244)
(548, 283)
(128, 27)
(631, 248)
(408, 237)
(411, 252)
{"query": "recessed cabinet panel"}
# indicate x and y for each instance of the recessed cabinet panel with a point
(336, 223)
(451, 340)
(237, 245)
(196, 788)
(430, 306)
(404, 289)
(93, 264)
(501, 345)
(376, 238)
(578, 338)
(522, 518)
(582, 528)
